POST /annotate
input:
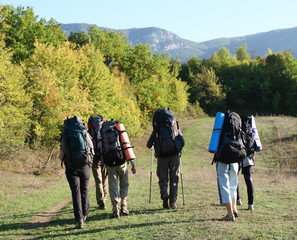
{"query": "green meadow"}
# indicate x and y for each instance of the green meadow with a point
(39, 206)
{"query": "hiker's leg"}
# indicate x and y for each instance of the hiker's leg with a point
(247, 173)
(219, 191)
(162, 173)
(233, 178)
(74, 184)
(224, 184)
(97, 177)
(84, 182)
(104, 182)
(124, 182)
(174, 171)
(113, 185)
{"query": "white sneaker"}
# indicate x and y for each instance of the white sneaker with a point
(251, 207)
(239, 203)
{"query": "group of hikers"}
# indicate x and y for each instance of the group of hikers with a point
(104, 147)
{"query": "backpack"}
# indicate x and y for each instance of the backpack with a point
(75, 143)
(248, 140)
(112, 150)
(232, 148)
(94, 128)
(168, 140)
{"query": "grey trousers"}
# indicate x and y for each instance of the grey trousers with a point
(168, 170)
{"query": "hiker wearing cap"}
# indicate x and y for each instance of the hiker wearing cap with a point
(167, 140)
(76, 152)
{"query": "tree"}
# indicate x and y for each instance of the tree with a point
(207, 91)
(80, 38)
(21, 28)
(241, 53)
(15, 105)
(113, 45)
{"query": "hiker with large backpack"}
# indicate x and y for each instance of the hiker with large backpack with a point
(168, 142)
(249, 161)
(230, 153)
(98, 168)
(116, 145)
(77, 155)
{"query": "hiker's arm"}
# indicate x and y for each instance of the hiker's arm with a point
(151, 139)
(133, 169)
(90, 143)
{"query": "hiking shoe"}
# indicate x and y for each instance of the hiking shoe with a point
(239, 203)
(102, 206)
(165, 203)
(173, 206)
(116, 214)
(79, 224)
(124, 210)
(235, 214)
(251, 207)
(229, 217)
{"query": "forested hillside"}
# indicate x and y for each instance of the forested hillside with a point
(46, 77)
(163, 41)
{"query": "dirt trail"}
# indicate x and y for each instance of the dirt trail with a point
(42, 219)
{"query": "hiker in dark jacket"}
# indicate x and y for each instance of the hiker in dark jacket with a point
(78, 177)
(168, 165)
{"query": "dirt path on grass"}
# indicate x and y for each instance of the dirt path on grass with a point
(42, 219)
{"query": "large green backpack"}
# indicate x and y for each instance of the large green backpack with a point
(74, 140)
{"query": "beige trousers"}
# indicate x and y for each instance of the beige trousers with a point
(118, 183)
(101, 183)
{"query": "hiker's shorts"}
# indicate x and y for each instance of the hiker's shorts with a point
(228, 180)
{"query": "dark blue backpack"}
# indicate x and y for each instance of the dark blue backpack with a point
(168, 140)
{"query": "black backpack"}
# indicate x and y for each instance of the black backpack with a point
(168, 141)
(75, 143)
(248, 138)
(232, 148)
(94, 127)
(112, 149)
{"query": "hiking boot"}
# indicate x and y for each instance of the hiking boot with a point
(79, 224)
(124, 210)
(239, 203)
(250, 207)
(229, 217)
(116, 212)
(173, 206)
(165, 203)
(101, 205)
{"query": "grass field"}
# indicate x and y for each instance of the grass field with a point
(39, 207)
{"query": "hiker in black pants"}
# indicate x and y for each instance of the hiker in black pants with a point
(168, 143)
(248, 163)
(77, 163)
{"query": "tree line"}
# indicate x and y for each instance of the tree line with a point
(46, 77)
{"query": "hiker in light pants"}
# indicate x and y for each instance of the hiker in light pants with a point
(118, 178)
(228, 180)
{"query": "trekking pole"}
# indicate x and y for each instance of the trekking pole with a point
(151, 174)
(181, 180)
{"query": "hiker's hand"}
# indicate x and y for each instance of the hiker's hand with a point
(133, 169)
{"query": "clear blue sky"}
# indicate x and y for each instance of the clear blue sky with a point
(196, 20)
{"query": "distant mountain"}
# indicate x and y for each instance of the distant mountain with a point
(161, 40)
